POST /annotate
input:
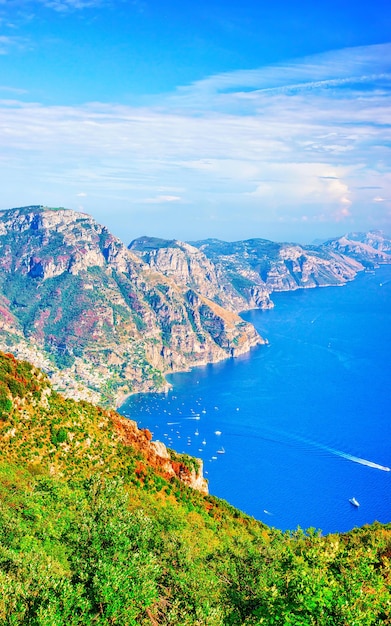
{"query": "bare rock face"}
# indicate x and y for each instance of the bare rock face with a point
(297, 267)
(369, 249)
(99, 316)
(107, 321)
(190, 266)
(185, 264)
(167, 462)
(57, 241)
(243, 275)
(259, 264)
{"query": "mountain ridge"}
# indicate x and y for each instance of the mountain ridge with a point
(77, 302)
(245, 273)
(106, 321)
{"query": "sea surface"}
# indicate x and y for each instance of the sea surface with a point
(291, 431)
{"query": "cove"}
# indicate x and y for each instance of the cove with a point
(289, 432)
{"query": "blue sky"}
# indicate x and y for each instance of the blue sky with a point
(199, 119)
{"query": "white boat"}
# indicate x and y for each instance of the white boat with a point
(221, 451)
(354, 502)
(217, 432)
(204, 442)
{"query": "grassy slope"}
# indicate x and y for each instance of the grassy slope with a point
(91, 533)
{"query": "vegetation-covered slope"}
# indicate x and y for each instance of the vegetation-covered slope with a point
(94, 530)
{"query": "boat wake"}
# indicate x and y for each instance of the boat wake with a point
(342, 455)
(329, 450)
(357, 459)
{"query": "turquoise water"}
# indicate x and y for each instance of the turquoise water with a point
(289, 432)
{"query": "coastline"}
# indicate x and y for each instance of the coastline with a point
(122, 398)
(263, 408)
(261, 341)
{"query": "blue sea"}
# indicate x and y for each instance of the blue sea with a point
(291, 431)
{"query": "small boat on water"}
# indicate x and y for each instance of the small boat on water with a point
(221, 451)
(354, 502)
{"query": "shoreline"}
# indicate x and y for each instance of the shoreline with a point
(264, 341)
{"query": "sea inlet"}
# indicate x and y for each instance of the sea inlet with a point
(292, 431)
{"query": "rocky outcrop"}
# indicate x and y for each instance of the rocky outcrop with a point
(232, 288)
(166, 462)
(285, 267)
(106, 321)
(296, 267)
(57, 241)
(369, 249)
(243, 275)
(93, 312)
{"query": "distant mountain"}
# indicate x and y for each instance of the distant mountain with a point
(77, 302)
(243, 274)
(105, 321)
(192, 265)
(370, 249)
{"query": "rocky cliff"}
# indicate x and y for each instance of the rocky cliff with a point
(105, 321)
(75, 301)
(281, 266)
(369, 249)
(63, 432)
(242, 275)
(219, 281)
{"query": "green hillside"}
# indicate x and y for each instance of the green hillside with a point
(93, 531)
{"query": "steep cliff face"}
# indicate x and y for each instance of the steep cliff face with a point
(179, 260)
(234, 288)
(297, 267)
(258, 264)
(107, 321)
(369, 249)
(77, 302)
(283, 267)
(242, 275)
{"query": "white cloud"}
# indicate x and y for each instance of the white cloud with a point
(306, 142)
(10, 43)
(65, 5)
(160, 199)
(344, 68)
(14, 90)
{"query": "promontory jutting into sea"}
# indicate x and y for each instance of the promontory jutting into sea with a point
(293, 430)
(304, 422)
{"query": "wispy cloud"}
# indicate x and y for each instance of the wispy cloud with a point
(305, 142)
(66, 5)
(330, 69)
(160, 199)
(11, 43)
(57, 5)
(14, 90)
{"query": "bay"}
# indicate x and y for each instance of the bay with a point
(290, 431)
